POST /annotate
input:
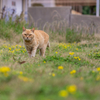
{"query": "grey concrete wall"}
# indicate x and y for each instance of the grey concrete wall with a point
(40, 15)
(87, 22)
(60, 18)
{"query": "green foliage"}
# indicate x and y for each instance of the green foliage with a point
(10, 28)
(69, 59)
(95, 54)
(72, 36)
(86, 10)
(90, 45)
(89, 10)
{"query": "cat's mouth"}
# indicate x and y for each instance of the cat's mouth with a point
(27, 39)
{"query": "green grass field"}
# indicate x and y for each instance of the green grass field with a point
(69, 71)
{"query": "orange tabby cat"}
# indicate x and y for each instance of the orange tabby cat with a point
(35, 39)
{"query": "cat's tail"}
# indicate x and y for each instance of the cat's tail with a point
(48, 44)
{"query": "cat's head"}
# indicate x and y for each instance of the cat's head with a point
(28, 34)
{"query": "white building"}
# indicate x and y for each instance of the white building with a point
(14, 7)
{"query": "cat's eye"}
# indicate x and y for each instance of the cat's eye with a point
(30, 34)
(25, 34)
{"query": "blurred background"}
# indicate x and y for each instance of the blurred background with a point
(52, 13)
(87, 7)
(78, 6)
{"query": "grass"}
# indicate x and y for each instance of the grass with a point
(9, 29)
(68, 71)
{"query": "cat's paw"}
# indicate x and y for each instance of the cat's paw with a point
(32, 55)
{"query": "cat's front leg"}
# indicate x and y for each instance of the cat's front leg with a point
(33, 52)
(29, 53)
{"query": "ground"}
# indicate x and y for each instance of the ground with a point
(68, 71)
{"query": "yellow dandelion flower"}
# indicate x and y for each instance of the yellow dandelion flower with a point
(20, 72)
(75, 57)
(76, 48)
(98, 78)
(79, 59)
(98, 69)
(71, 53)
(44, 61)
(4, 69)
(25, 79)
(56, 52)
(73, 72)
(13, 51)
(63, 93)
(72, 89)
(65, 47)
(16, 49)
(60, 67)
(9, 48)
(53, 74)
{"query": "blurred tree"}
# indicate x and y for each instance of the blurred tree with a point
(89, 10)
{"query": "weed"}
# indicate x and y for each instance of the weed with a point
(72, 36)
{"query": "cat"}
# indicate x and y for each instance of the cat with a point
(35, 39)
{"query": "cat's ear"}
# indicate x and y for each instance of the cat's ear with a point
(24, 28)
(33, 29)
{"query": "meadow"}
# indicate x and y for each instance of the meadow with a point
(69, 71)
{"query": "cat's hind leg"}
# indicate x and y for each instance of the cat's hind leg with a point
(48, 44)
(42, 51)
